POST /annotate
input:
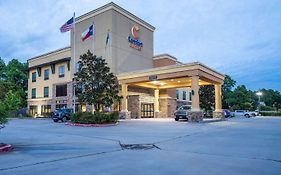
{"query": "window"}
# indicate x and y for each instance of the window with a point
(46, 110)
(190, 96)
(61, 71)
(177, 93)
(46, 74)
(33, 93)
(183, 95)
(32, 110)
(61, 106)
(33, 76)
(186, 107)
(61, 90)
(46, 91)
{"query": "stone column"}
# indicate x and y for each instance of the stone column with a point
(124, 113)
(156, 103)
(218, 98)
(39, 110)
(195, 93)
(195, 115)
(124, 93)
(218, 113)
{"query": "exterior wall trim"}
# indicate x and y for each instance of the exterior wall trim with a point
(117, 8)
(170, 69)
(49, 63)
(50, 53)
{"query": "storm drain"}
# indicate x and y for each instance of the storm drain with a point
(138, 146)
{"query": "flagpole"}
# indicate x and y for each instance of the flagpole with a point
(93, 37)
(74, 63)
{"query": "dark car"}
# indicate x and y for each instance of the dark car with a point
(182, 112)
(62, 114)
(227, 113)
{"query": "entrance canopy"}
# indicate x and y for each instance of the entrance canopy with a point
(191, 75)
(174, 76)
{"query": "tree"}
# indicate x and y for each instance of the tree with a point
(207, 97)
(16, 73)
(98, 86)
(12, 101)
(3, 115)
(271, 98)
(241, 98)
(227, 87)
(2, 69)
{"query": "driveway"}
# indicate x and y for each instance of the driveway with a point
(147, 146)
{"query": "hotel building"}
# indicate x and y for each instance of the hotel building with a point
(151, 85)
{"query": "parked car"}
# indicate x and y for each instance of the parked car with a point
(182, 112)
(62, 114)
(208, 114)
(227, 113)
(245, 113)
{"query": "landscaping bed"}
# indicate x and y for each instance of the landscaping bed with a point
(5, 148)
(97, 119)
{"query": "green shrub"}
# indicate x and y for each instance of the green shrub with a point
(270, 113)
(3, 114)
(96, 118)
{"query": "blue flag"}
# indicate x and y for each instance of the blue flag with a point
(107, 39)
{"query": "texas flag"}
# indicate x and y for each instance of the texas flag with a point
(88, 33)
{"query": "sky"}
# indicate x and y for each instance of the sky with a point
(235, 37)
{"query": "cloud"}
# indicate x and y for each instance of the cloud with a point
(240, 38)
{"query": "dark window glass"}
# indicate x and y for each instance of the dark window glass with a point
(46, 110)
(46, 91)
(183, 95)
(33, 110)
(190, 96)
(46, 74)
(61, 71)
(61, 90)
(61, 106)
(33, 93)
(177, 94)
(33, 76)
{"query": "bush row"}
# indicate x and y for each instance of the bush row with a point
(270, 113)
(94, 118)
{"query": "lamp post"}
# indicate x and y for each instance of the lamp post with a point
(259, 94)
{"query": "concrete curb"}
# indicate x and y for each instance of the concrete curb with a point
(5, 148)
(91, 125)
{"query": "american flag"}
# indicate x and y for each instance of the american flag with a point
(67, 26)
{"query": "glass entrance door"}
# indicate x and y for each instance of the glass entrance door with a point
(147, 110)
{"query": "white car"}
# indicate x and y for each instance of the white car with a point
(245, 113)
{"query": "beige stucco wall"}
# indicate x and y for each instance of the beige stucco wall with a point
(180, 90)
(126, 58)
(119, 55)
(53, 79)
(64, 53)
(102, 23)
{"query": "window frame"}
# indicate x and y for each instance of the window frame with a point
(183, 95)
(62, 92)
(46, 70)
(33, 78)
(33, 93)
(61, 75)
(47, 87)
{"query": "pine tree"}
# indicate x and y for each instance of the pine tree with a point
(96, 84)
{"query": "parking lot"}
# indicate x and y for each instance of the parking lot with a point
(147, 146)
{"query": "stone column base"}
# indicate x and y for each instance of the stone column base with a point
(218, 114)
(158, 114)
(125, 115)
(195, 116)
